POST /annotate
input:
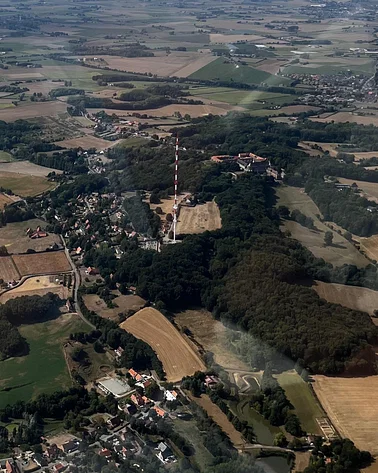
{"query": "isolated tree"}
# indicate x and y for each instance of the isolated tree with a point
(328, 238)
(280, 440)
(348, 236)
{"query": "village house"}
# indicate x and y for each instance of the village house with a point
(171, 395)
(58, 467)
(165, 454)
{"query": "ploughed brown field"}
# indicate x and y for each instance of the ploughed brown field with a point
(42, 263)
(198, 219)
(351, 404)
(8, 270)
(178, 357)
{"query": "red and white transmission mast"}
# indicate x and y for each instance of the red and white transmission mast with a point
(175, 205)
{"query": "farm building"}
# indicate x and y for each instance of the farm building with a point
(115, 386)
(248, 162)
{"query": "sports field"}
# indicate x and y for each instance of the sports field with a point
(44, 368)
(198, 219)
(178, 357)
(24, 185)
(357, 298)
(42, 263)
(351, 404)
(305, 405)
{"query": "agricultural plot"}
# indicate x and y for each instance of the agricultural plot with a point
(42, 263)
(369, 246)
(44, 369)
(369, 189)
(228, 71)
(6, 199)
(345, 117)
(8, 270)
(25, 185)
(212, 336)
(178, 357)
(37, 286)
(13, 236)
(354, 297)
(27, 168)
(305, 405)
(339, 253)
(123, 303)
(86, 142)
(5, 157)
(31, 110)
(199, 219)
(351, 405)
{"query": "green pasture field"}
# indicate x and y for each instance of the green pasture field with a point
(330, 68)
(219, 70)
(44, 369)
(5, 157)
(305, 405)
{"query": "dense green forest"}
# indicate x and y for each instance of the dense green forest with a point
(68, 161)
(250, 275)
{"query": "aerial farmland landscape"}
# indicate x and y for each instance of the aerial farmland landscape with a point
(188, 236)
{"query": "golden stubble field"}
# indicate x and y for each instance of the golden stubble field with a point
(37, 286)
(351, 404)
(179, 359)
(198, 219)
(354, 297)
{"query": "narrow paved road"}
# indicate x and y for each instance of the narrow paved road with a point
(77, 280)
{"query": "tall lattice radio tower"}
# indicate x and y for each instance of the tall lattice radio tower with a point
(175, 205)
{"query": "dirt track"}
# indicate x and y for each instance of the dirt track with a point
(178, 357)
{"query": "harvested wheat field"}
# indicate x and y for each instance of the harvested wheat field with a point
(345, 117)
(178, 357)
(220, 418)
(37, 286)
(351, 404)
(27, 168)
(42, 263)
(369, 246)
(8, 270)
(198, 219)
(25, 185)
(357, 298)
(32, 110)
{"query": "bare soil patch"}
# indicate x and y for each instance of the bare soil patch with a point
(211, 334)
(233, 38)
(125, 303)
(357, 298)
(40, 286)
(198, 219)
(13, 236)
(351, 404)
(220, 418)
(8, 270)
(42, 263)
(32, 110)
(272, 66)
(194, 66)
(178, 357)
